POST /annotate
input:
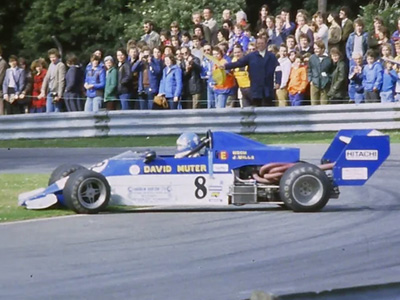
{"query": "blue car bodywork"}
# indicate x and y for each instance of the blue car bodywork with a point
(222, 172)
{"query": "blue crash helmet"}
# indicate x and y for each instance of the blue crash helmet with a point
(187, 142)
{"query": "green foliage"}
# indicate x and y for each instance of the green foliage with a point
(388, 10)
(163, 12)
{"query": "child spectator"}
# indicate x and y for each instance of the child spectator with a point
(372, 78)
(247, 32)
(171, 82)
(319, 74)
(356, 89)
(95, 81)
(187, 40)
(239, 38)
(38, 68)
(74, 80)
(165, 38)
(388, 82)
(337, 91)
(297, 81)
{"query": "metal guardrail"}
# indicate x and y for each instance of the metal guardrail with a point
(173, 122)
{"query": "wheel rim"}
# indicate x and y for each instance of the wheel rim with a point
(307, 190)
(92, 193)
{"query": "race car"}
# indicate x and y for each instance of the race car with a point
(223, 169)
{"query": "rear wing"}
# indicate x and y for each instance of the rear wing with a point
(356, 155)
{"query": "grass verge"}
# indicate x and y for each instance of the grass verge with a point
(152, 141)
(14, 184)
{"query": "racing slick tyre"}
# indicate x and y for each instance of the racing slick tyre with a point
(305, 188)
(86, 192)
(63, 171)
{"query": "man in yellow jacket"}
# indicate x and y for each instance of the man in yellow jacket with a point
(242, 78)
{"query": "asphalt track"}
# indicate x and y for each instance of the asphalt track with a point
(202, 253)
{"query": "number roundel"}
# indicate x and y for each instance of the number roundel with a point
(201, 190)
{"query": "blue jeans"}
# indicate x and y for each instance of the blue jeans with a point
(50, 106)
(220, 100)
(93, 104)
(34, 110)
(296, 99)
(124, 98)
(174, 105)
(387, 97)
(146, 99)
(210, 97)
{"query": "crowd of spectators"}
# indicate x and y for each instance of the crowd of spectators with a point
(317, 59)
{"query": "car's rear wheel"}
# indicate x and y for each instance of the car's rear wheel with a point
(86, 192)
(63, 171)
(305, 188)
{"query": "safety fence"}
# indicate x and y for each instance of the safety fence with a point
(173, 122)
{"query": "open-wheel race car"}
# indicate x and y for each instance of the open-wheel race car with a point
(223, 169)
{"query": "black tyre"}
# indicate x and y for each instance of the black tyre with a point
(63, 171)
(305, 188)
(86, 192)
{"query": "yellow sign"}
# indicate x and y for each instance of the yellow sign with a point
(157, 169)
(242, 155)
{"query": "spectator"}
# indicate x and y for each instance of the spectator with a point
(196, 19)
(291, 43)
(165, 38)
(346, 24)
(262, 70)
(24, 99)
(54, 82)
(124, 79)
(270, 21)
(285, 65)
(206, 76)
(304, 46)
(297, 81)
(187, 40)
(239, 38)
(334, 32)
(322, 29)
(288, 26)
(175, 31)
(396, 34)
(278, 36)
(247, 32)
(99, 53)
(192, 86)
(149, 78)
(211, 24)
(222, 90)
(171, 82)
(134, 63)
(375, 37)
(199, 33)
(95, 81)
(3, 68)
(241, 18)
(151, 37)
(386, 52)
(175, 42)
(389, 81)
(38, 68)
(357, 41)
(356, 89)
(372, 78)
(337, 91)
(111, 87)
(13, 84)
(74, 80)
(319, 74)
(226, 15)
(223, 36)
(397, 68)
(261, 22)
(302, 27)
(252, 47)
(197, 48)
(242, 78)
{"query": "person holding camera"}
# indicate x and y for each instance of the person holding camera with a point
(54, 82)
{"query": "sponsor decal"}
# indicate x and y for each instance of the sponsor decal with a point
(191, 169)
(361, 154)
(223, 155)
(215, 194)
(134, 170)
(242, 155)
(220, 168)
(157, 169)
(355, 173)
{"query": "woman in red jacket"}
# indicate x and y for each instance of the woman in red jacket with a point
(39, 70)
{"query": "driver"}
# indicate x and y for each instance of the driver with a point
(186, 143)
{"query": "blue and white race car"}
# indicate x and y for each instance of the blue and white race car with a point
(224, 169)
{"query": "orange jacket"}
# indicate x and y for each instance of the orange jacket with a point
(298, 80)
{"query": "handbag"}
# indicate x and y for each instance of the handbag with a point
(161, 101)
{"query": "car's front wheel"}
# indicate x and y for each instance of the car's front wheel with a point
(63, 171)
(305, 188)
(86, 192)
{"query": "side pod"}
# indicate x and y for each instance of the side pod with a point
(356, 155)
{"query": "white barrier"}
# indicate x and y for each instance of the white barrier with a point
(173, 122)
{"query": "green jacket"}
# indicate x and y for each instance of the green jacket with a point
(338, 84)
(319, 71)
(110, 91)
